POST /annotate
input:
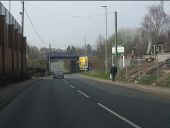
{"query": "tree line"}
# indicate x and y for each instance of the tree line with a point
(154, 28)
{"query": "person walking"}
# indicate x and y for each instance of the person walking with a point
(113, 71)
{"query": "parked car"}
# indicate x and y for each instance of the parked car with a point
(58, 74)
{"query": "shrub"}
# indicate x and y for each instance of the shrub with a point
(149, 79)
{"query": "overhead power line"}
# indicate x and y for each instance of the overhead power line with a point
(34, 28)
(63, 14)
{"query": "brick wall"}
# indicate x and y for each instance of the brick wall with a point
(11, 49)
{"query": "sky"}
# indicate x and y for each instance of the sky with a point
(63, 23)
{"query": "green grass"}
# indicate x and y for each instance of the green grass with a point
(168, 80)
(150, 79)
(165, 82)
(101, 75)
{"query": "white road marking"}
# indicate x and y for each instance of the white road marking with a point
(119, 116)
(83, 94)
(68, 83)
(65, 81)
(71, 86)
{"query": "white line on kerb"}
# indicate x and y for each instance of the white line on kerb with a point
(119, 116)
(83, 94)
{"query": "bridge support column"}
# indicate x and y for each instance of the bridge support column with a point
(73, 66)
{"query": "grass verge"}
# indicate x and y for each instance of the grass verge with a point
(101, 75)
(149, 79)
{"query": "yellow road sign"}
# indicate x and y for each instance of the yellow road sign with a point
(83, 62)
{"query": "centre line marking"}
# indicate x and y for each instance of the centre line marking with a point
(83, 94)
(65, 81)
(71, 86)
(68, 84)
(119, 116)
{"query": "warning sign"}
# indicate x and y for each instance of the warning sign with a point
(83, 62)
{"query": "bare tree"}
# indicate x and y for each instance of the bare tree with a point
(100, 45)
(155, 23)
(130, 39)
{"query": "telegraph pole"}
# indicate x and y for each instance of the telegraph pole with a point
(23, 18)
(9, 11)
(22, 44)
(49, 58)
(116, 38)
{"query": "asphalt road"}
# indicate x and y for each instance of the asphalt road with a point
(77, 102)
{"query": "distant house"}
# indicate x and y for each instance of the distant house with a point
(43, 52)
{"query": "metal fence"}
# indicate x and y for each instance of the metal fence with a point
(9, 18)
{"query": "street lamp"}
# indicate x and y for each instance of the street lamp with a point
(85, 49)
(116, 56)
(106, 61)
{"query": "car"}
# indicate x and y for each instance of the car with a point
(58, 74)
(167, 62)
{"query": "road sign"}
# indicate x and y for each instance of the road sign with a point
(120, 50)
(83, 62)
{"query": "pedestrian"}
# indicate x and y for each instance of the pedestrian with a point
(113, 71)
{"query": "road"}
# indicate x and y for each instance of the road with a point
(77, 102)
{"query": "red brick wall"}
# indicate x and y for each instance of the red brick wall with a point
(15, 61)
(8, 60)
(19, 62)
(0, 60)
(10, 56)
(2, 42)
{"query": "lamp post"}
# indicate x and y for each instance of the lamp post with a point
(85, 49)
(106, 61)
(116, 38)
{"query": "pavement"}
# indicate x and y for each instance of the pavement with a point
(9, 92)
(162, 91)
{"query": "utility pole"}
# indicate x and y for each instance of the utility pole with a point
(9, 11)
(106, 61)
(116, 38)
(49, 58)
(22, 45)
(85, 52)
(23, 18)
(157, 66)
(138, 49)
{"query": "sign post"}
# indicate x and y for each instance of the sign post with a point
(120, 51)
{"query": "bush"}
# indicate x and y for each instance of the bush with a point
(150, 79)
(165, 82)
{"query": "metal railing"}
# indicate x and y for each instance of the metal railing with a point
(9, 18)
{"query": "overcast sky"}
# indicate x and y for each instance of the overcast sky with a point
(63, 23)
